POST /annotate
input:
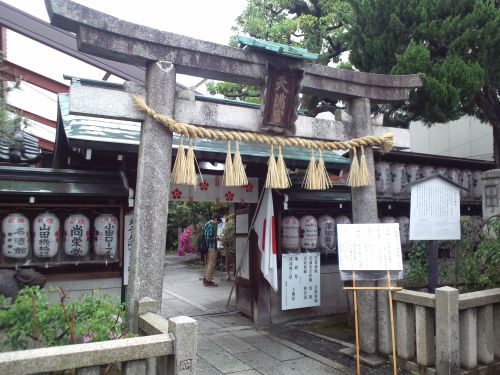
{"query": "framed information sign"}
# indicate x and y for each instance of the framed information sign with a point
(300, 280)
(369, 247)
(435, 210)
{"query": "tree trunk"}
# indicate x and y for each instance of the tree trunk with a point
(489, 103)
(496, 142)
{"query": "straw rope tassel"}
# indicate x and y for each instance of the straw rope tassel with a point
(310, 179)
(272, 174)
(364, 174)
(283, 177)
(239, 174)
(228, 178)
(353, 179)
(190, 170)
(323, 176)
(177, 175)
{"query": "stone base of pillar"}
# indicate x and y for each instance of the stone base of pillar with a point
(371, 360)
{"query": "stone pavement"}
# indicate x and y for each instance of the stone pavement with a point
(227, 341)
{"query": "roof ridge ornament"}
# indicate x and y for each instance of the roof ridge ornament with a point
(278, 48)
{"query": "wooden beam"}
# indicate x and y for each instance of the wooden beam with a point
(65, 42)
(32, 116)
(45, 144)
(15, 71)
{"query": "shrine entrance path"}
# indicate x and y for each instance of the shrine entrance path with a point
(229, 343)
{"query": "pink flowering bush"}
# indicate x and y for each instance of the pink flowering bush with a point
(185, 245)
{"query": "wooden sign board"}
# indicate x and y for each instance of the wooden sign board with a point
(435, 210)
(369, 247)
(281, 99)
(300, 280)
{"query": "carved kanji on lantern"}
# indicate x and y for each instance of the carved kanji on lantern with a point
(281, 99)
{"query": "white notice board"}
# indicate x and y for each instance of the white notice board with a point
(242, 251)
(369, 247)
(435, 211)
(300, 280)
(242, 223)
(127, 244)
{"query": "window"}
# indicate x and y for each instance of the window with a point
(491, 195)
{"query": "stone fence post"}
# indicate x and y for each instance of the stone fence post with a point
(447, 331)
(185, 331)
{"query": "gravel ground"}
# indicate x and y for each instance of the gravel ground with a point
(329, 349)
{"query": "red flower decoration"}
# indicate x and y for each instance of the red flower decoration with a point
(176, 194)
(203, 185)
(229, 196)
(249, 187)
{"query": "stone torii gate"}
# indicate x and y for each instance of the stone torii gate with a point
(164, 54)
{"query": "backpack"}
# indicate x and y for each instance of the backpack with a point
(201, 243)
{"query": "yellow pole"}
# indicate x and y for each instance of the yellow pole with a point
(392, 323)
(358, 370)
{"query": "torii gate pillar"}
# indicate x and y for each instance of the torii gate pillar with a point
(153, 182)
(364, 210)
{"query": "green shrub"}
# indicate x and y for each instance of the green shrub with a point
(31, 320)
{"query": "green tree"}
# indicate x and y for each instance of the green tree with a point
(453, 44)
(315, 25)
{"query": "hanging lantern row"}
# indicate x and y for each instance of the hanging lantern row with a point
(316, 176)
(45, 239)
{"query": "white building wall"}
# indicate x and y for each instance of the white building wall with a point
(466, 138)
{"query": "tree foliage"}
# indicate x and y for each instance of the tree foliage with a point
(314, 25)
(453, 44)
(183, 214)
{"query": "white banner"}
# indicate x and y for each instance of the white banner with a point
(211, 189)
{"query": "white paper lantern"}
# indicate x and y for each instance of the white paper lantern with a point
(76, 235)
(342, 219)
(404, 230)
(477, 188)
(387, 220)
(383, 180)
(442, 171)
(466, 183)
(412, 172)
(16, 236)
(327, 234)
(290, 233)
(427, 171)
(308, 232)
(398, 178)
(46, 230)
(454, 175)
(106, 235)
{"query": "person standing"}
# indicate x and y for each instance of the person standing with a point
(210, 231)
